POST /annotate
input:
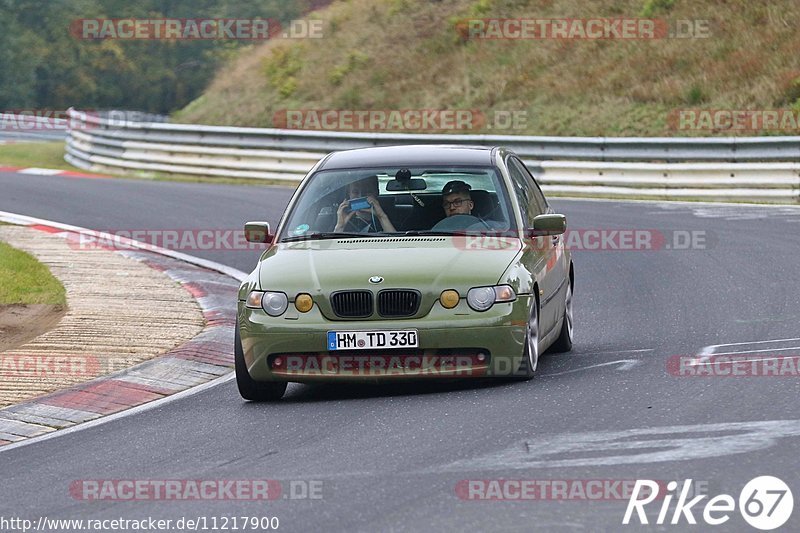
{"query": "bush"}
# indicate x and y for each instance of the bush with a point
(695, 95)
(652, 7)
(792, 93)
(281, 67)
(355, 59)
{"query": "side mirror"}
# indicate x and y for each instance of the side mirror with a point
(548, 225)
(257, 232)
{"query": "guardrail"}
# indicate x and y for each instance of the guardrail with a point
(744, 168)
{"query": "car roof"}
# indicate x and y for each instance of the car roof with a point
(410, 155)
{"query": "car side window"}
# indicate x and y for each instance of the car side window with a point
(522, 192)
(537, 197)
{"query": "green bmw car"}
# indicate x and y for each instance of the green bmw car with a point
(406, 262)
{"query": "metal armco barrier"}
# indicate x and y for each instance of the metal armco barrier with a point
(761, 169)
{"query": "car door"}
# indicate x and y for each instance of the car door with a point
(553, 285)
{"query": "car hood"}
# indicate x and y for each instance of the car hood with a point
(428, 264)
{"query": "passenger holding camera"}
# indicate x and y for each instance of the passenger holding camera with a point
(366, 218)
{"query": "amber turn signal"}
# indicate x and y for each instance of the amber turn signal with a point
(449, 299)
(303, 303)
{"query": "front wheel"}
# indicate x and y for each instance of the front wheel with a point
(530, 357)
(564, 341)
(250, 389)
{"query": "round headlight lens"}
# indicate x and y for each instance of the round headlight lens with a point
(481, 298)
(303, 302)
(449, 298)
(274, 303)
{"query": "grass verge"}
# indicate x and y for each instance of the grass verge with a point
(24, 280)
(42, 155)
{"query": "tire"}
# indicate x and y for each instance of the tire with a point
(530, 359)
(250, 389)
(564, 341)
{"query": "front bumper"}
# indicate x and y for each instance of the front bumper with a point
(450, 341)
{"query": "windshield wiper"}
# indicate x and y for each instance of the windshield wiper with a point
(416, 233)
(324, 235)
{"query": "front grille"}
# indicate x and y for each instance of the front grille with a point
(352, 304)
(395, 303)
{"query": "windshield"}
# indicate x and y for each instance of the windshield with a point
(392, 201)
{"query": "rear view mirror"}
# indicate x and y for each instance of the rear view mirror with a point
(411, 184)
(257, 232)
(548, 225)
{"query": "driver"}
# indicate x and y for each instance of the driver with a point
(369, 220)
(456, 198)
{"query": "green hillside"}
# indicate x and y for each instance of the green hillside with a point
(416, 54)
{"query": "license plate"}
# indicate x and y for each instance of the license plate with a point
(370, 340)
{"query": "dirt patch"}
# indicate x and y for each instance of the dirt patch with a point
(20, 323)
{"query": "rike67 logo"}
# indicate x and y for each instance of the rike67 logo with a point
(765, 503)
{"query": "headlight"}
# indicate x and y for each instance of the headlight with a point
(449, 298)
(483, 298)
(303, 302)
(273, 303)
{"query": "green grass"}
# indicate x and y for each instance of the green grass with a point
(24, 280)
(42, 155)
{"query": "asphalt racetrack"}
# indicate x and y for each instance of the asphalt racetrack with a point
(412, 457)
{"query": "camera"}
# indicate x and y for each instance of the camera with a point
(357, 204)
